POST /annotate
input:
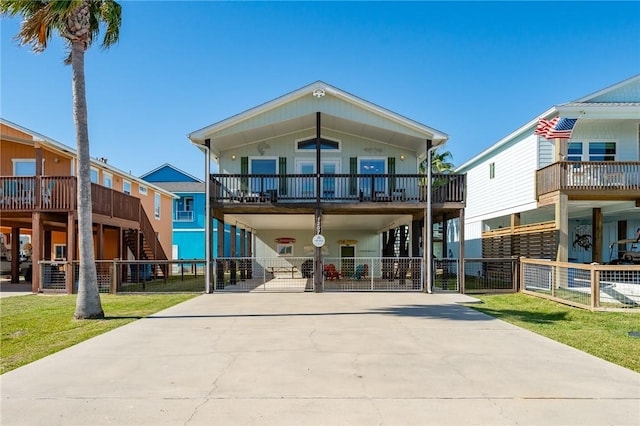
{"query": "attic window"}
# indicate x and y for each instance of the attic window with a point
(310, 144)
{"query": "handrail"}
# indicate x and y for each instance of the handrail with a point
(588, 175)
(149, 233)
(229, 188)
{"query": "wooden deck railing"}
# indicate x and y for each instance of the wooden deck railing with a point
(335, 188)
(58, 194)
(589, 176)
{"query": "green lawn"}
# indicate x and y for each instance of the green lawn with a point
(36, 326)
(603, 334)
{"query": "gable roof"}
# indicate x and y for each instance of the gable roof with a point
(340, 111)
(598, 105)
(60, 147)
(160, 174)
(602, 93)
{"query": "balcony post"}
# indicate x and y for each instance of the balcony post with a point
(427, 241)
(596, 235)
(317, 255)
(562, 226)
(37, 229)
(318, 158)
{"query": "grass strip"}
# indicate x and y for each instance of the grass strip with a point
(602, 334)
(37, 325)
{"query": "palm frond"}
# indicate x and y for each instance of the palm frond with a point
(111, 16)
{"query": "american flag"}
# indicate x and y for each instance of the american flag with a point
(555, 128)
(544, 125)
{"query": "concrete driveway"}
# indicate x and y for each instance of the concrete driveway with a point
(320, 359)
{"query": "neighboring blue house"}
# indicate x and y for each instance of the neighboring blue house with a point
(188, 210)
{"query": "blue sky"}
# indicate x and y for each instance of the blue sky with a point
(474, 70)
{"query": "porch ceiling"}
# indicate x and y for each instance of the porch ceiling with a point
(308, 122)
(258, 222)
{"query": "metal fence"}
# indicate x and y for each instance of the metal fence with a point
(121, 276)
(288, 274)
(373, 274)
(272, 274)
(596, 287)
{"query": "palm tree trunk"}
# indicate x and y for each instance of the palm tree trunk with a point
(88, 304)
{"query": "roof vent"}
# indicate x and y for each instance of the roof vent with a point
(318, 93)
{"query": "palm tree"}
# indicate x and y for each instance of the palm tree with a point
(439, 163)
(78, 22)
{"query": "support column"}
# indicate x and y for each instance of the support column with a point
(243, 255)
(461, 252)
(596, 235)
(36, 253)
(622, 235)
(515, 221)
(562, 226)
(100, 241)
(15, 255)
(233, 254)
(415, 252)
(317, 254)
(71, 251)
(219, 278)
(318, 157)
(250, 254)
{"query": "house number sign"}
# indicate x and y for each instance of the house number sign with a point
(318, 240)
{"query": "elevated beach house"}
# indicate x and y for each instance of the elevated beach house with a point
(188, 209)
(38, 211)
(323, 190)
(564, 186)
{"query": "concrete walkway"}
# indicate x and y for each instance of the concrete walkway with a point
(320, 359)
(8, 289)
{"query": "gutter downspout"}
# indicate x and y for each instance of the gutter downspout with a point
(428, 224)
(207, 215)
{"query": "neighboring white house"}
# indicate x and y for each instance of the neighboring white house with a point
(562, 199)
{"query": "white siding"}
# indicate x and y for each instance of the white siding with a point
(624, 132)
(329, 105)
(351, 146)
(513, 187)
(627, 93)
(546, 152)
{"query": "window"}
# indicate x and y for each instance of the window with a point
(107, 180)
(263, 166)
(602, 151)
(574, 151)
(309, 144)
(24, 167)
(60, 251)
(492, 170)
(598, 151)
(142, 189)
(184, 209)
(94, 175)
(156, 205)
(372, 166)
(126, 187)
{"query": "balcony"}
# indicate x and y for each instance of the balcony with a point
(20, 196)
(183, 216)
(335, 188)
(614, 180)
(25, 194)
